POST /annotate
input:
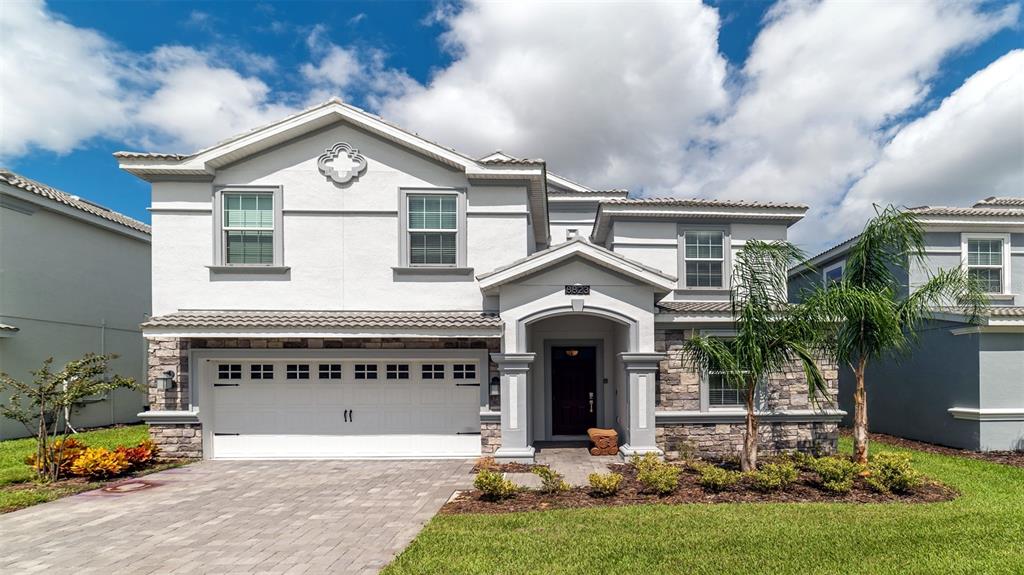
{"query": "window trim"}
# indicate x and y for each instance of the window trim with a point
(404, 259)
(706, 390)
(726, 231)
(1006, 275)
(220, 255)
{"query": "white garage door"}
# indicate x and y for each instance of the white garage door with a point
(339, 409)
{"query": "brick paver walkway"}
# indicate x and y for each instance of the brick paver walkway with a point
(237, 517)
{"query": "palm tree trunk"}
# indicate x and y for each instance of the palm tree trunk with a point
(860, 414)
(748, 462)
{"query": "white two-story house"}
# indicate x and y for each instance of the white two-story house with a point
(334, 286)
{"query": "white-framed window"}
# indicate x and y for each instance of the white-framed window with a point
(721, 393)
(433, 371)
(296, 371)
(261, 371)
(464, 371)
(329, 370)
(704, 258)
(987, 260)
(433, 229)
(366, 371)
(229, 371)
(833, 273)
(248, 228)
(397, 371)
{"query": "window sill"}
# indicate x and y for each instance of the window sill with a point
(249, 269)
(1000, 296)
(433, 271)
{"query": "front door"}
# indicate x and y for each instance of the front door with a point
(573, 390)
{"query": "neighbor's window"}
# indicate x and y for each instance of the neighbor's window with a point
(398, 371)
(433, 229)
(985, 263)
(721, 393)
(248, 228)
(261, 371)
(704, 255)
(433, 371)
(833, 274)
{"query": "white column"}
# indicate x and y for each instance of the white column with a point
(641, 369)
(515, 416)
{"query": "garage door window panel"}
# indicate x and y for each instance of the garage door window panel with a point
(365, 371)
(397, 371)
(330, 371)
(433, 371)
(296, 371)
(464, 371)
(261, 371)
(229, 371)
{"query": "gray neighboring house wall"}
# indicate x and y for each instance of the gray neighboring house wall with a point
(74, 279)
(963, 385)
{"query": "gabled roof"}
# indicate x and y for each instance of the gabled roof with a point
(562, 187)
(693, 208)
(204, 164)
(576, 247)
(53, 194)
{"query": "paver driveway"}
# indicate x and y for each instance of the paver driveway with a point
(237, 517)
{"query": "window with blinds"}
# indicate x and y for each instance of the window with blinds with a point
(433, 229)
(248, 228)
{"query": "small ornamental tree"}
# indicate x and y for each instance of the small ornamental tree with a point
(44, 404)
(871, 315)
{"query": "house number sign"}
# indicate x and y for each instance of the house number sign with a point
(577, 289)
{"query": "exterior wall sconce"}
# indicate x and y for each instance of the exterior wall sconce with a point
(165, 381)
(494, 394)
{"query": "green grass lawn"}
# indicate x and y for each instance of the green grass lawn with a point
(14, 471)
(980, 532)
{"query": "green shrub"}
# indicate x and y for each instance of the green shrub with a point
(891, 473)
(605, 484)
(661, 479)
(836, 474)
(715, 479)
(773, 477)
(801, 460)
(550, 480)
(646, 462)
(494, 486)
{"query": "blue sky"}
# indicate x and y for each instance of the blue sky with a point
(698, 128)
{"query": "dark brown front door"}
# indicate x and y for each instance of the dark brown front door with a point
(573, 390)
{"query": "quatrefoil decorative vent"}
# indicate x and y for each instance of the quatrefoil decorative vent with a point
(341, 163)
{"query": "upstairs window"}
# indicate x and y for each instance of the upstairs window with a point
(704, 259)
(248, 228)
(833, 274)
(433, 229)
(986, 263)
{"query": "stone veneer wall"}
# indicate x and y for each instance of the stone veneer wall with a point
(185, 440)
(678, 389)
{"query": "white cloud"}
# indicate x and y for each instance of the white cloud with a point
(61, 85)
(969, 148)
(822, 84)
(196, 102)
(608, 92)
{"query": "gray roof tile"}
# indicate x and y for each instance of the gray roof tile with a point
(241, 319)
(40, 189)
(702, 202)
(695, 306)
(1000, 202)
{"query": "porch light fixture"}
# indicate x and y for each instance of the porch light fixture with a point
(572, 352)
(165, 381)
(494, 393)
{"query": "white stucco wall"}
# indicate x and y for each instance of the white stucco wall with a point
(565, 215)
(340, 243)
(72, 288)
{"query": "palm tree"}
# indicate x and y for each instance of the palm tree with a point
(770, 334)
(872, 314)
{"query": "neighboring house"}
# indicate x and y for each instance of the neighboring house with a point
(74, 279)
(331, 285)
(963, 384)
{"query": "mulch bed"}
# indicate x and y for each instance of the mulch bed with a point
(689, 491)
(506, 467)
(1014, 458)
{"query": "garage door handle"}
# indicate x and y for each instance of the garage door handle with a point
(345, 414)
(225, 385)
(350, 418)
(467, 385)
